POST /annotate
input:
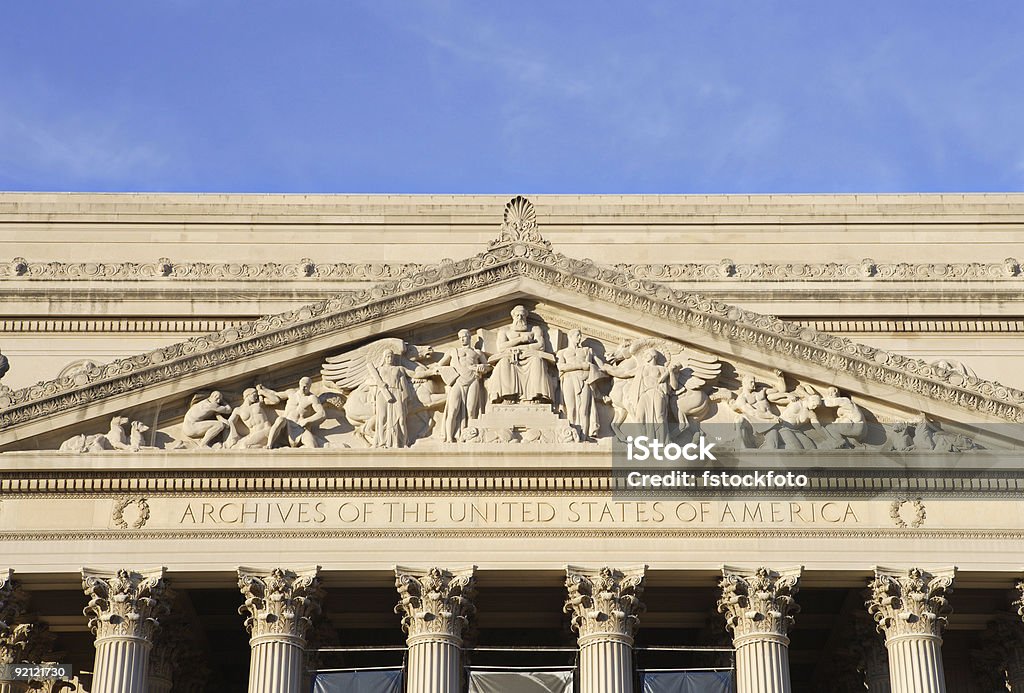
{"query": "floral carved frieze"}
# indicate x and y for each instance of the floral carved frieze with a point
(517, 254)
(306, 268)
(435, 601)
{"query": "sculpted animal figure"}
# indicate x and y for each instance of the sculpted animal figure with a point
(117, 438)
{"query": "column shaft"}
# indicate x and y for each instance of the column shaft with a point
(121, 665)
(915, 665)
(279, 607)
(275, 665)
(433, 665)
(606, 665)
(762, 665)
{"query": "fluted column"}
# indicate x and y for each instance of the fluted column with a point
(279, 607)
(605, 607)
(435, 605)
(124, 611)
(759, 607)
(872, 658)
(910, 608)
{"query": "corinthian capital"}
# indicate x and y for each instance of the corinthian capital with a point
(13, 602)
(910, 601)
(435, 601)
(279, 603)
(605, 601)
(125, 603)
(759, 601)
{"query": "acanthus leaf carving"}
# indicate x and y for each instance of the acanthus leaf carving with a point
(759, 602)
(279, 603)
(911, 601)
(435, 601)
(125, 603)
(605, 602)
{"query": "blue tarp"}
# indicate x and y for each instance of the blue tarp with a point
(688, 682)
(358, 682)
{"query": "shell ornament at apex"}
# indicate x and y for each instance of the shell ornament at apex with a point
(356, 464)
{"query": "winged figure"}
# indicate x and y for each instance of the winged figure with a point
(390, 397)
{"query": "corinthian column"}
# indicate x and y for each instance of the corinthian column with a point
(910, 608)
(605, 607)
(759, 607)
(872, 659)
(123, 610)
(1015, 658)
(13, 635)
(435, 605)
(279, 606)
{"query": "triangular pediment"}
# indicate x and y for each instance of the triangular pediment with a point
(608, 304)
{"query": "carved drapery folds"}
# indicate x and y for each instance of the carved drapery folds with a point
(605, 601)
(125, 603)
(760, 601)
(911, 602)
(279, 603)
(435, 601)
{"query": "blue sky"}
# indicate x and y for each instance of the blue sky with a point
(488, 96)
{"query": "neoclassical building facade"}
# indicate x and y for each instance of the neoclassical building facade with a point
(254, 442)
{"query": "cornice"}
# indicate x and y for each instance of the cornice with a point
(505, 261)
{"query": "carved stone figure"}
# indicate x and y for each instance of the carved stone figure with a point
(205, 420)
(579, 369)
(521, 363)
(850, 426)
(753, 411)
(463, 371)
(798, 414)
(646, 399)
(117, 438)
(302, 413)
(258, 419)
(358, 374)
(393, 390)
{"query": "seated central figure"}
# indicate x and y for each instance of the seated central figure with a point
(521, 363)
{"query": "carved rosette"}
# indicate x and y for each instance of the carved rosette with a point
(911, 602)
(759, 602)
(435, 602)
(279, 604)
(605, 603)
(126, 603)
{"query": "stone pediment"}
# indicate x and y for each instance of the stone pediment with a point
(621, 315)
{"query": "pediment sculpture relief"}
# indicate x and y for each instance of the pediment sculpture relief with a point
(528, 381)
